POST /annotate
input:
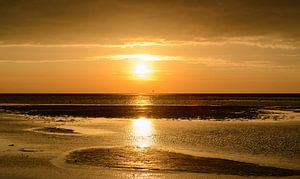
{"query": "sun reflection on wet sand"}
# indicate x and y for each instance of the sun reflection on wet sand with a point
(142, 132)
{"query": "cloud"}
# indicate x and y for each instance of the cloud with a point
(93, 21)
(238, 64)
(145, 57)
(256, 41)
(48, 61)
(260, 42)
(221, 63)
(84, 45)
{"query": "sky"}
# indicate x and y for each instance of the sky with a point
(133, 46)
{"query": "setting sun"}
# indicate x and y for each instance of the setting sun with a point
(142, 71)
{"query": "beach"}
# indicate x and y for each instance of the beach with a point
(139, 89)
(66, 146)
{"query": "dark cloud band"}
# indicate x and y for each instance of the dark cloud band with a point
(92, 21)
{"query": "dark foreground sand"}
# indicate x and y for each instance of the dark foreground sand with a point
(154, 159)
(111, 148)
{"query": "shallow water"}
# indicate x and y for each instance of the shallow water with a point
(270, 143)
(171, 106)
(180, 99)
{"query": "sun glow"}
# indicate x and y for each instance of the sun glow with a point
(142, 71)
(142, 64)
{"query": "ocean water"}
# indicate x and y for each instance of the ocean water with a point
(153, 99)
(175, 106)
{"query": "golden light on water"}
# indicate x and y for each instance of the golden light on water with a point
(142, 100)
(142, 132)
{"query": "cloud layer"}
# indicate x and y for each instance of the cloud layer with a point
(93, 21)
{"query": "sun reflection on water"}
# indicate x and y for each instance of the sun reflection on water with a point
(142, 132)
(142, 100)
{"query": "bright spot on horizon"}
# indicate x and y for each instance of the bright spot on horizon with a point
(142, 132)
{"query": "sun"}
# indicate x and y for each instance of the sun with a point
(142, 65)
(142, 71)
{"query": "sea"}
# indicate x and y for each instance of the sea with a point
(190, 106)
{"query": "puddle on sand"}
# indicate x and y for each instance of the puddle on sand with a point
(155, 159)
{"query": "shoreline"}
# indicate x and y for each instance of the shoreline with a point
(44, 148)
(204, 112)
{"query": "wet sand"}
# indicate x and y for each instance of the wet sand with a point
(154, 159)
(56, 130)
(169, 149)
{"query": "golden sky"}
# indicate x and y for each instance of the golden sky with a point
(144, 46)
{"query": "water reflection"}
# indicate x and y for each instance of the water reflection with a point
(142, 100)
(142, 132)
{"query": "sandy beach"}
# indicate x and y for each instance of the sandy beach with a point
(70, 147)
